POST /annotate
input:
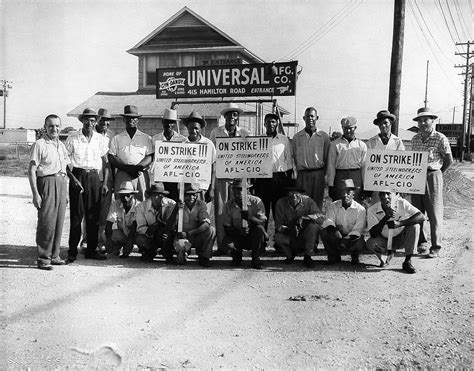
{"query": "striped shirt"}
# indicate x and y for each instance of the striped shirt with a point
(437, 146)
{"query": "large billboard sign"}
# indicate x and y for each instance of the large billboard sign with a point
(240, 80)
(395, 171)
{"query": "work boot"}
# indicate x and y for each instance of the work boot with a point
(308, 262)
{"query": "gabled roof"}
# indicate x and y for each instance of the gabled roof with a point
(189, 24)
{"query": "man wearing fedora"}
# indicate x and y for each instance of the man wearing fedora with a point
(195, 123)
(385, 139)
(169, 122)
(403, 219)
(131, 152)
(231, 113)
(345, 224)
(121, 225)
(345, 160)
(88, 153)
(439, 160)
(310, 151)
(155, 224)
(240, 235)
(47, 176)
(297, 220)
(197, 228)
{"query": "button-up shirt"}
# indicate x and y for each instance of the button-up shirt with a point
(286, 214)
(437, 146)
(282, 157)
(394, 143)
(196, 216)
(350, 221)
(221, 131)
(231, 214)
(148, 215)
(131, 150)
(50, 156)
(403, 210)
(212, 148)
(310, 152)
(176, 137)
(345, 155)
(120, 218)
(84, 153)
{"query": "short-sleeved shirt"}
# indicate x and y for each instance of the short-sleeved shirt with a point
(310, 152)
(437, 146)
(211, 148)
(131, 150)
(50, 156)
(231, 214)
(221, 132)
(148, 215)
(196, 216)
(345, 155)
(87, 154)
(394, 143)
(286, 214)
(282, 154)
(403, 210)
(122, 220)
(350, 221)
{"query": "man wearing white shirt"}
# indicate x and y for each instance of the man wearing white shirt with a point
(385, 139)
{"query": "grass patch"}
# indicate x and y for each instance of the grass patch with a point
(14, 159)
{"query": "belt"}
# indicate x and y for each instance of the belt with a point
(434, 169)
(55, 174)
(347, 169)
(86, 170)
(311, 170)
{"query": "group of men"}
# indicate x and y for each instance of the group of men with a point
(150, 214)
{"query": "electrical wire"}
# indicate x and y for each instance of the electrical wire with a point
(462, 20)
(452, 20)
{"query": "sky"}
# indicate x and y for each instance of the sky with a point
(58, 53)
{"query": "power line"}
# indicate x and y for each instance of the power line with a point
(452, 20)
(462, 20)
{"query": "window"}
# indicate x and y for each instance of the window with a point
(151, 65)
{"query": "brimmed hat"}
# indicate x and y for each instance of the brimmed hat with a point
(126, 187)
(382, 115)
(272, 115)
(194, 117)
(347, 184)
(158, 187)
(424, 112)
(104, 114)
(170, 115)
(88, 112)
(291, 186)
(231, 107)
(348, 122)
(238, 183)
(191, 188)
(130, 111)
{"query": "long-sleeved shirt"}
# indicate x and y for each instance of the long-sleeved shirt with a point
(286, 214)
(148, 215)
(350, 221)
(310, 152)
(120, 218)
(344, 155)
(282, 157)
(231, 215)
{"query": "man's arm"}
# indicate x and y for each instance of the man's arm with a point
(447, 161)
(34, 188)
(331, 167)
(412, 220)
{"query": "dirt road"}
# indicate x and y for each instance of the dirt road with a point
(127, 314)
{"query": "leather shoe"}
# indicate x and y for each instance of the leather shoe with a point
(70, 260)
(332, 261)
(58, 262)
(355, 259)
(95, 256)
(433, 254)
(308, 262)
(256, 264)
(204, 262)
(46, 267)
(407, 267)
(289, 260)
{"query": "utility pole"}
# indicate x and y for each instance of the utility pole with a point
(466, 81)
(426, 85)
(396, 62)
(6, 86)
(471, 114)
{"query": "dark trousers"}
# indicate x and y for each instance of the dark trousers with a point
(149, 246)
(254, 241)
(333, 246)
(53, 192)
(84, 205)
(270, 190)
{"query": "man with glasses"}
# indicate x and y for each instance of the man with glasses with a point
(131, 152)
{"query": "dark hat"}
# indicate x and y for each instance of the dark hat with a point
(192, 188)
(88, 112)
(126, 187)
(347, 184)
(238, 183)
(104, 114)
(271, 116)
(158, 187)
(291, 186)
(348, 122)
(382, 115)
(424, 112)
(194, 117)
(130, 111)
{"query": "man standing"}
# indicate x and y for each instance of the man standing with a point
(345, 159)
(155, 224)
(270, 190)
(121, 226)
(439, 160)
(403, 219)
(296, 224)
(169, 120)
(385, 139)
(310, 151)
(244, 229)
(197, 227)
(343, 230)
(131, 152)
(230, 129)
(88, 153)
(47, 176)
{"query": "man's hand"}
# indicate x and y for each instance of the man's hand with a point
(180, 204)
(209, 195)
(392, 224)
(37, 201)
(283, 229)
(344, 242)
(389, 212)
(338, 234)
(181, 235)
(105, 189)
